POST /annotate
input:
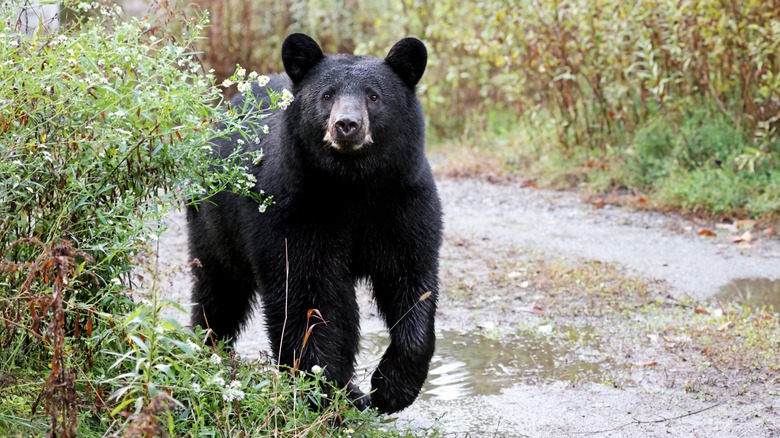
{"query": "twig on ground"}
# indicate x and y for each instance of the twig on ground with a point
(638, 422)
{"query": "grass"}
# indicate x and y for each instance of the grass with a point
(695, 164)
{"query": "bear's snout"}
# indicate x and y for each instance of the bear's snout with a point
(348, 126)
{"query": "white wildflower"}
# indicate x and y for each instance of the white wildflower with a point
(316, 369)
(287, 98)
(218, 381)
(253, 75)
(196, 388)
(264, 129)
(240, 72)
(263, 80)
(240, 142)
(233, 392)
(262, 208)
(258, 156)
(215, 359)
(244, 87)
(226, 83)
(193, 345)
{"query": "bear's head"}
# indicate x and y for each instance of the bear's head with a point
(355, 106)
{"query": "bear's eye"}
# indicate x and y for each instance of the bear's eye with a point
(373, 97)
(327, 96)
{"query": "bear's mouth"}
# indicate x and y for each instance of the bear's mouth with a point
(347, 144)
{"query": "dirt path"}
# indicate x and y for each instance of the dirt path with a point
(502, 370)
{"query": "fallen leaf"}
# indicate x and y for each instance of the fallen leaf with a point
(531, 309)
(599, 204)
(650, 364)
(769, 232)
(530, 183)
(701, 310)
(746, 237)
(706, 232)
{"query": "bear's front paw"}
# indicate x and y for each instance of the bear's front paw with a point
(391, 392)
(357, 398)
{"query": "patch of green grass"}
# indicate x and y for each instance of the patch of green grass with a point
(696, 163)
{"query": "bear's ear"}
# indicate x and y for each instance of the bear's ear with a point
(299, 54)
(408, 58)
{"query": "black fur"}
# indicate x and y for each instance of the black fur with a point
(360, 211)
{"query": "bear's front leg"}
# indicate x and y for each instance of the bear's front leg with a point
(313, 319)
(408, 304)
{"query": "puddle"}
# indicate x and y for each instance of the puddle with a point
(751, 292)
(468, 364)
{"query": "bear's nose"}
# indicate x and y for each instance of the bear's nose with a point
(347, 126)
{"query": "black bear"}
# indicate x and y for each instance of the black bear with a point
(354, 200)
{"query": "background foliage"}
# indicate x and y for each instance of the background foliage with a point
(657, 92)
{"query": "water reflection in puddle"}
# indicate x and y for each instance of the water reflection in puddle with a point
(471, 364)
(751, 292)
